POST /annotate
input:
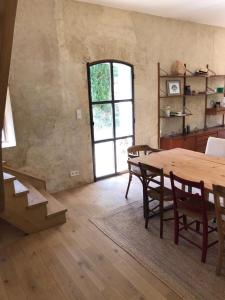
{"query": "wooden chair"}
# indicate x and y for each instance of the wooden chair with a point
(154, 189)
(136, 151)
(219, 192)
(215, 147)
(195, 206)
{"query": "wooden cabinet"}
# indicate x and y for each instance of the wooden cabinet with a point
(201, 140)
(194, 141)
(221, 134)
(189, 143)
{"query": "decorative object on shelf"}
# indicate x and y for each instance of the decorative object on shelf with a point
(187, 90)
(167, 111)
(177, 114)
(212, 103)
(211, 91)
(220, 90)
(178, 68)
(173, 87)
(202, 71)
(217, 104)
(188, 129)
(223, 102)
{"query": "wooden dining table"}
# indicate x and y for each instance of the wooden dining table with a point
(190, 165)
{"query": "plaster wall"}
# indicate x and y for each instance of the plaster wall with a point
(54, 40)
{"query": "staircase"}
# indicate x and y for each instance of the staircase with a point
(28, 208)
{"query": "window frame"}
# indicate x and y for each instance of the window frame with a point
(8, 132)
(112, 102)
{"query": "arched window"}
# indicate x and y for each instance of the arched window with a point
(111, 96)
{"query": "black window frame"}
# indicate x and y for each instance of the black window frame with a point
(112, 102)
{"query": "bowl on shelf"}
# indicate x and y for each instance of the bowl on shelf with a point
(220, 90)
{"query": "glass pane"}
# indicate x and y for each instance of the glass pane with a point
(104, 159)
(121, 152)
(122, 76)
(103, 124)
(100, 82)
(124, 119)
(3, 136)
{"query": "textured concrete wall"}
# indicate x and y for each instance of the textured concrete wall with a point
(54, 40)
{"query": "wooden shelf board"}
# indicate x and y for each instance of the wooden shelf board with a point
(195, 95)
(182, 95)
(217, 76)
(194, 76)
(215, 93)
(215, 111)
(171, 76)
(175, 96)
(171, 117)
(190, 76)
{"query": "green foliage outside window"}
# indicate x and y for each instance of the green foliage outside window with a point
(100, 75)
(101, 91)
(100, 82)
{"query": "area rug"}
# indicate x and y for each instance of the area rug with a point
(178, 266)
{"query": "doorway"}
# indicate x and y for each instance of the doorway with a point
(111, 99)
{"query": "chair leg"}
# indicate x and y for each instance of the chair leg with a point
(220, 255)
(197, 226)
(176, 228)
(207, 195)
(161, 218)
(204, 241)
(146, 212)
(128, 186)
(146, 222)
(185, 222)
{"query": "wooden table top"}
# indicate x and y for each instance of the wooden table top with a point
(188, 164)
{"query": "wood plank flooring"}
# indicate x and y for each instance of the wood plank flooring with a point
(76, 261)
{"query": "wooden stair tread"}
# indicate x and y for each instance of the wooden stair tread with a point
(8, 177)
(19, 188)
(54, 207)
(35, 198)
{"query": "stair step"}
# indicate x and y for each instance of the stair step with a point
(54, 207)
(35, 198)
(8, 177)
(19, 188)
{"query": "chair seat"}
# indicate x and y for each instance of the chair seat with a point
(197, 205)
(154, 193)
(136, 171)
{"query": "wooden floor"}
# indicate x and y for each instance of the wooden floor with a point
(76, 260)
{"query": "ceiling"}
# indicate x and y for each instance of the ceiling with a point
(211, 12)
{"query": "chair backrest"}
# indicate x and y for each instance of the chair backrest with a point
(137, 150)
(183, 190)
(215, 147)
(219, 196)
(152, 174)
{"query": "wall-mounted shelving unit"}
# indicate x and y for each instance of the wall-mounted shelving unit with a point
(208, 91)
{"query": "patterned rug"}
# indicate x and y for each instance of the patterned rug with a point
(179, 266)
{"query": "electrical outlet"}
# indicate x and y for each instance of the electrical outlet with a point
(74, 173)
